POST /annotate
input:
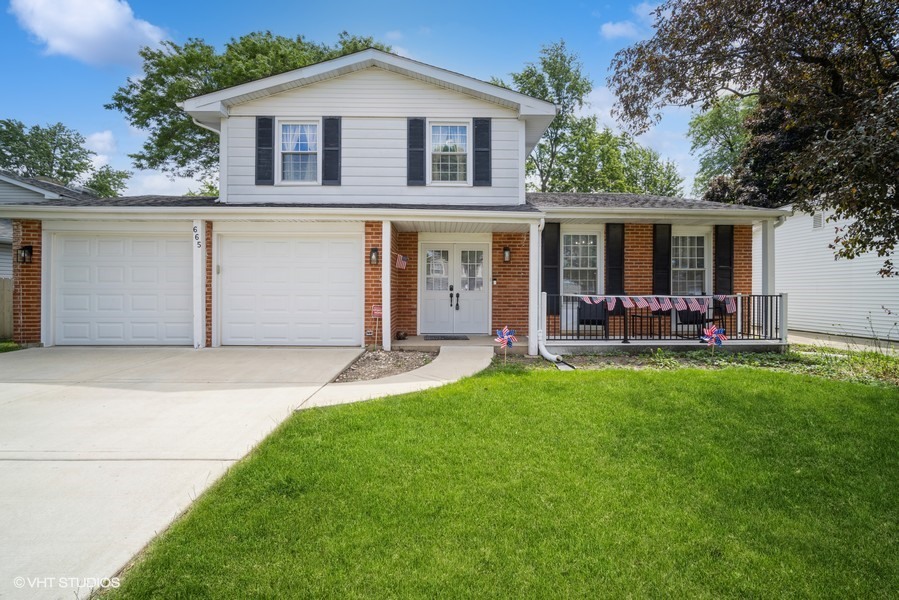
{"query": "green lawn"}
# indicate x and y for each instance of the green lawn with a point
(532, 483)
(8, 346)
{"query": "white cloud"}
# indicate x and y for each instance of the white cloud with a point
(643, 13)
(150, 183)
(618, 29)
(101, 142)
(402, 51)
(394, 36)
(96, 32)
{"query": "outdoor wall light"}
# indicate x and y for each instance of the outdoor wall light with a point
(373, 256)
(507, 254)
(25, 253)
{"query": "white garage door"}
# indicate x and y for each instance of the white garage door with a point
(303, 291)
(122, 290)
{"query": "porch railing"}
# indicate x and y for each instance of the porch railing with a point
(605, 318)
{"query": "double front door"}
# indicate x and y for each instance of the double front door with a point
(454, 288)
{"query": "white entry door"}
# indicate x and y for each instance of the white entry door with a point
(454, 292)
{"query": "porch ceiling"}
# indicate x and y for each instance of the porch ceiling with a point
(460, 227)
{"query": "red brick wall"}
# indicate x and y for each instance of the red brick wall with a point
(404, 284)
(743, 259)
(373, 239)
(638, 258)
(26, 295)
(510, 294)
(208, 284)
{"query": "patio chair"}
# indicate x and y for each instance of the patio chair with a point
(593, 315)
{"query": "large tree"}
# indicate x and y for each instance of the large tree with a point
(58, 153)
(826, 76)
(557, 77)
(719, 135)
(174, 73)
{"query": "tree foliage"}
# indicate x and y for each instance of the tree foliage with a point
(558, 78)
(58, 153)
(173, 73)
(825, 136)
(719, 135)
(594, 160)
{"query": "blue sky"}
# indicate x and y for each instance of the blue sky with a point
(63, 59)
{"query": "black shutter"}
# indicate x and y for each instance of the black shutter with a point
(661, 259)
(265, 151)
(615, 258)
(724, 259)
(552, 260)
(415, 164)
(331, 151)
(482, 163)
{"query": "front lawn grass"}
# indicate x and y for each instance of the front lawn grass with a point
(532, 483)
(8, 346)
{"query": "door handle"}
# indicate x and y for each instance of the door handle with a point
(457, 300)
(451, 299)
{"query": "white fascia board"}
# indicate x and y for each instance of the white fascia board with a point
(256, 213)
(47, 194)
(527, 106)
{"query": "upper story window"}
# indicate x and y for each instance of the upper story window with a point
(450, 150)
(299, 149)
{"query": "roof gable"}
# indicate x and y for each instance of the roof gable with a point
(210, 108)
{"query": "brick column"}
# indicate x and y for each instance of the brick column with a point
(404, 286)
(26, 295)
(511, 292)
(373, 239)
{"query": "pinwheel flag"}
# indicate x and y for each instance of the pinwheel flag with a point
(505, 337)
(713, 335)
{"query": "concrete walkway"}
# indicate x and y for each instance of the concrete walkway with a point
(453, 363)
(101, 448)
(842, 342)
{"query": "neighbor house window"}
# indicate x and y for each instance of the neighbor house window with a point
(580, 263)
(299, 152)
(449, 153)
(688, 265)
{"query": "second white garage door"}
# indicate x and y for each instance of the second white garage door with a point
(304, 291)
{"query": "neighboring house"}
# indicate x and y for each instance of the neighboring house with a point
(829, 296)
(5, 249)
(373, 184)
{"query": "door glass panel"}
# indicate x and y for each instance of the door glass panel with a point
(437, 270)
(688, 265)
(472, 262)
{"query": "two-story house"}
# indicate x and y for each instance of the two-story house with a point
(373, 194)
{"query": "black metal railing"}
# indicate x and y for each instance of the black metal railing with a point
(605, 318)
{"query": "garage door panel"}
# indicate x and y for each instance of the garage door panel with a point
(305, 291)
(122, 290)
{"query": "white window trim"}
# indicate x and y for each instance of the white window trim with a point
(298, 121)
(470, 154)
(599, 232)
(695, 230)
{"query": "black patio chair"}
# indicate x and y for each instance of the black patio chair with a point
(593, 315)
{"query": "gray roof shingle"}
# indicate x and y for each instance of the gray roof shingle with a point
(551, 200)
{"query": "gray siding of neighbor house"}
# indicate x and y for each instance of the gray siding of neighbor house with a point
(13, 194)
(5, 261)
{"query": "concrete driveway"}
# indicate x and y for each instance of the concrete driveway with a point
(100, 448)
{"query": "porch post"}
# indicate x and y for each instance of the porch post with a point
(198, 242)
(533, 289)
(387, 259)
(768, 257)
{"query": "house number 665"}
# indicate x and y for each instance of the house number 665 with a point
(197, 237)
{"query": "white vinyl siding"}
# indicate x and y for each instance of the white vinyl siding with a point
(374, 106)
(14, 194)
(5, 261)
(831, 296)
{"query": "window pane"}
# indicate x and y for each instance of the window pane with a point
(449, 138)
(299, 138)
(688, 265)
(449, 167)
(437, 270)
(299, 167)
(580, 258)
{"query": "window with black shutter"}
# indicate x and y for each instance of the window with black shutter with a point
(482, 158)
(415, 163)
(265, 150)
(331, 150)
